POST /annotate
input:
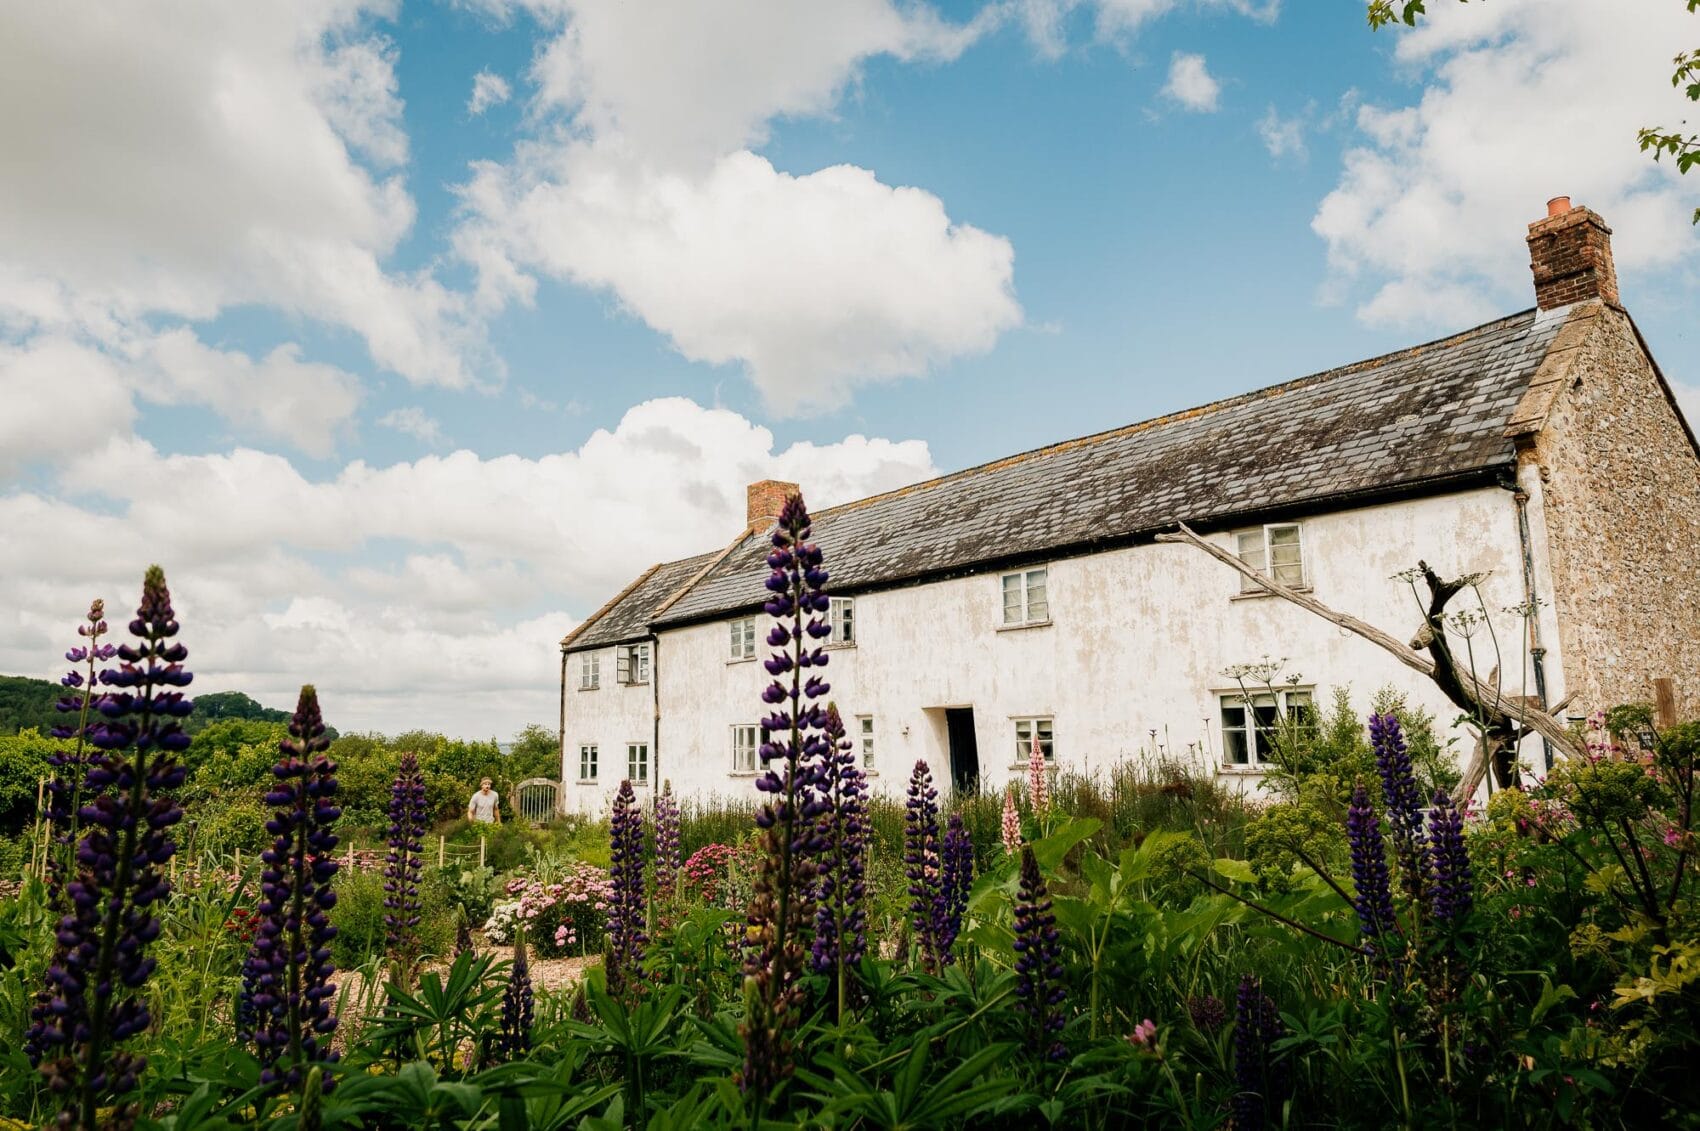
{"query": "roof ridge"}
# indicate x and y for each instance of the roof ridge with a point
(608, 605)
(1155, 421)
(691, 582)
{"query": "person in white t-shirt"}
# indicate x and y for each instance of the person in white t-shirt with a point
(485, 806)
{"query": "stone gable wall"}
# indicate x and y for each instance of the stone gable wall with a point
(1621, 495)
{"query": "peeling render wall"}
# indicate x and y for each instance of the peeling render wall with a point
(609, 716)
(1621, 486)
(1138, 642)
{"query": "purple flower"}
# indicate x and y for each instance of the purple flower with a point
(289, 964)
(513, 1037)
(668, 860)
(921, 864)
(1453, 893)
(956, 862)
(70, 767)
(402, 869)
(841, 916)
(1207, 1012)
(124, 813)
(1039, 991)
(1369, 870)
(793, 783)
(626, 914)
(1403, 800)
(1260, 1073)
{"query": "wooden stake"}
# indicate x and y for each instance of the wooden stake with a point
(1664, 702)
(481, 852)
(442, 843)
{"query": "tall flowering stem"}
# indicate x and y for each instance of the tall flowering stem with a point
(1374, 901)
(1011, 823)
(1260, 1075)
(793, 777)
(289, 964)
(70, 767)
(513, 1037)
(406, 861)
(124, 846)
(921, 863)
(1038, 777)
(1403, 800)
(956, 877)
(669, 863)
(1453, 892)
(1039, 991)
(841, 915)
(626, 914)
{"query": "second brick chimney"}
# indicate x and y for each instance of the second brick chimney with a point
(764, 501)
(1570, 254)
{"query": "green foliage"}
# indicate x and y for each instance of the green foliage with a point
(359, 917)
(23, 766)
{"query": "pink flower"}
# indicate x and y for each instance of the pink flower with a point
(1011, 823)
(1673, 836)
(1144, 1034)
(1037, 781)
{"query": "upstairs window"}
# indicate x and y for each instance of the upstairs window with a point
(1024, 600)
(587, 763)
(632, 663)
(1249, 735)
(1025, 729)
(865, 732)
(743, 639)
(841, 619)
(746, 741)
(589, 671)
(637, 762)
(1275, 551)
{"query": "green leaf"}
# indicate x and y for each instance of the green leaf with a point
(1050, 851)
(1237, 870)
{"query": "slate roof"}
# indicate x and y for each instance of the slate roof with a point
(1429, 418)
(627, 616)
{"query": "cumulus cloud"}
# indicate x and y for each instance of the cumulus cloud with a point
(1688, 401)
(386, 584)
(1120, 17)
(1191, 83)
(413, 421)
(1282, 137)
(488, 89)
(1521, 101)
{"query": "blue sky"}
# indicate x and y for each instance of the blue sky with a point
(399, 386)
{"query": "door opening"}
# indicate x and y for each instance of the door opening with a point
(964, 751)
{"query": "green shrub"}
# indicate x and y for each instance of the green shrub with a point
(359, 917)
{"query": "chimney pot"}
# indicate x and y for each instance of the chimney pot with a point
(1570, 256)
(765, 499)
(1558, 206)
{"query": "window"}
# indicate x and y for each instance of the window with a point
(1025, 729)
(841, 618)
(587, 763)
(865, 732)
(746, 740)
(589, 671)
(1024, 597)
(632, 663)
(637, 762)
(743, 639)
(1277, 552)
(1248, 738)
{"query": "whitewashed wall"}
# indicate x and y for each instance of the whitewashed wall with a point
(610, 716)
(1137, 644)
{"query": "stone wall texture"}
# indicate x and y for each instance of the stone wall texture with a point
(1621, 487)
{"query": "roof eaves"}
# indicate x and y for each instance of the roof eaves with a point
(607, 607)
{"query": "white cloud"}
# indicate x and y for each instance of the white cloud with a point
(1121, 17)
(413, 421)
(170, 165)
(1282, 137)
(1688, 402)
(488, 89)
(467, 570)
(1522, 101)
(1191, 83)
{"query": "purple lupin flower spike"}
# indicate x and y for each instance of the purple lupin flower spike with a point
(65, 788)
(513, 1037)
(956, 867)
(793, 769)
(289, 963)
(1453, 893)
(921, 864)
(841, 896)
(1039, 991)
(1374, 901)
(1260, 1074)
(126, 813)
(1404, 802)
(626, 915)
(405, 863)
(668, 860)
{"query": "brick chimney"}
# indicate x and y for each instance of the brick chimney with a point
(766, 499)
(1570, 254)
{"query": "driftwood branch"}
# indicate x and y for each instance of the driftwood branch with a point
(1480, 701)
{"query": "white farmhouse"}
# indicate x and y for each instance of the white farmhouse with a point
(1027, 597)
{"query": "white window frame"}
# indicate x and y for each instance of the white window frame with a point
(634, 763)
(746, 748)
(589, 671)
(1024, 725)
(865, 740)
(741, 639)
(1021, 584)
(589, 758)
(631, 665)
(841, 620)
(1255, 733)
(1256, 547)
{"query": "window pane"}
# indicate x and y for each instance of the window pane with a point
(1037, 607)
(1233, 746)
(1251, 549)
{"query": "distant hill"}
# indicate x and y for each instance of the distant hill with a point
(26, 703)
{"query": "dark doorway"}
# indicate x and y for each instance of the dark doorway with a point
(964, 751)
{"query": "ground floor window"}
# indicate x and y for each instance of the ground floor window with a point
(637, 762)
(587, 762)
(1025, 730)
(865, 730)
(746, 740)
(1251, 729)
